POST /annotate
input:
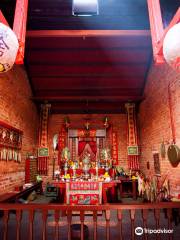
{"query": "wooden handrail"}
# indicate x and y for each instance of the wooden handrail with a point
(68, 209)
(65, 207)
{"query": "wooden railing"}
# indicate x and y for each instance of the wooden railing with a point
(58, 209)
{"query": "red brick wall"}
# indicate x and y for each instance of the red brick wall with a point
(154, 120)
(19, 111)
(119, 124)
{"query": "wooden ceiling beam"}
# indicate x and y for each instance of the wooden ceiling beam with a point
(83, 56)
(156, 25)
(85, 33)
(82, 108)
(19, 27)
(79, 82)
(55, 70)
(104, 110)
(90, 91)
(103, 42)
(89, 75)
(3, 19)
(79, 98)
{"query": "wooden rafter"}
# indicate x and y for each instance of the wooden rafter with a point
(60, 98)
(19, 27)
(156, 26)
(3, 19)
(86, 33)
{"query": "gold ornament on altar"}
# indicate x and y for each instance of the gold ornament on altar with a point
(106, 158)
(106, 122)
(66, 155)
(67, 122)
(86, 164)
(105, 154)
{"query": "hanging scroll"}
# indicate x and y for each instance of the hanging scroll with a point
(43, 140)
(133, 158)
(10, 143)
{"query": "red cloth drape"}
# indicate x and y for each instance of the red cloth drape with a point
(81, 146)
(93, 146)
(87, 146)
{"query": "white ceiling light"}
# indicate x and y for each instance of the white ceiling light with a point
(85, 7)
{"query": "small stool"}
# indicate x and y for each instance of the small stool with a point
(76, 232)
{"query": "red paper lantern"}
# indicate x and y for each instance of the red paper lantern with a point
(171, 47)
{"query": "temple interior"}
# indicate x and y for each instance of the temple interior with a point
(89, 119)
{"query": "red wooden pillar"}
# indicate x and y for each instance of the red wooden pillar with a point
(3, 19)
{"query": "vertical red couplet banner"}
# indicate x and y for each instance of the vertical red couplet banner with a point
(61, 142)
(43, 138)
(132, 138)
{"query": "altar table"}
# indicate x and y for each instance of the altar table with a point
(105, 186)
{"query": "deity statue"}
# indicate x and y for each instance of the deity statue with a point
(106, 158)
(86, 164)
(65, 155)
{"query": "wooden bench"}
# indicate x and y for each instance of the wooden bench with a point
(13, 197)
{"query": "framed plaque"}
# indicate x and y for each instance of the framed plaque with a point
(133, 150)
(43, 152)
(156, 164)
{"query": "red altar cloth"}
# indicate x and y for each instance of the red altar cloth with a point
(105, 186)
(83, 192)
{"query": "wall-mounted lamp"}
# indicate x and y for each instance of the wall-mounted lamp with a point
(85, 7)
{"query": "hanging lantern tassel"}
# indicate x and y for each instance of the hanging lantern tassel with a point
(8, 48)
(171, 47)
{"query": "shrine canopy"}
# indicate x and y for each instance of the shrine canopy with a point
(87, 141)
(85, 147)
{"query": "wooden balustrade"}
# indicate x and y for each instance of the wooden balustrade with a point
(59, 209)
